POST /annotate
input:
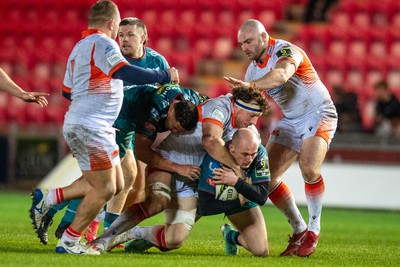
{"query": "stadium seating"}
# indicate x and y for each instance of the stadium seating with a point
(352, 47)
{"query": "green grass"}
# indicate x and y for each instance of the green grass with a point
(348, 238)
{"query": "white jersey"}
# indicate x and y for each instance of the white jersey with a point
(188, 148)
(96, 97)
(220, 112)
(304, 92)
(184, 148)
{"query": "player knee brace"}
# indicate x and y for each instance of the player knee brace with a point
(179, 216)
(159, 188)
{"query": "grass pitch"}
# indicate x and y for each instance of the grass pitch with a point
(348, 238)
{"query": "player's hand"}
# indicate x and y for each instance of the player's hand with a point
(235, 82)
(174, 75)
(39, 98)
(190, 171)
(225, 176)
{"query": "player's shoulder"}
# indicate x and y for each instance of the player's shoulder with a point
(153, 53)
(284, 48)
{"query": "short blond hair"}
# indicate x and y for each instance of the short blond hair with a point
(101, 12)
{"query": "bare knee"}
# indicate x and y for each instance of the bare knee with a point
(108, 192)
(309, 172)
(175, 242)
(260, 252)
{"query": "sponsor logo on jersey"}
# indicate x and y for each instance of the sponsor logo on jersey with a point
(284, 52)
(217, 114)
(114, 59)
(262, 168)
(275, 90)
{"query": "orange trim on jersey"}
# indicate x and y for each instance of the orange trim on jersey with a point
(214, 121)
(271, 42)
(306, 72)
(98, 80)
(117, 67)
(66, 89)
(199, 111)
(88, 32)
(233, 112)
(288, 59)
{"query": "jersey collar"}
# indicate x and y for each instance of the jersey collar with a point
(88, 32)
(270, 48)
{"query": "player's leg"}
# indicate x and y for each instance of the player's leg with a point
(179, 219)
(95, 151)
(138, 192)
(251, 231)
(316, 140)
(68, 217)
(312, 154)
(158, 196)
(280, 159)
(116, 203)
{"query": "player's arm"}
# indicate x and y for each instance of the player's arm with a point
(137, 75)
(257, 192)
(208, 205)
(215, 146)
(145, 153)
(8, 85)
(275, 78)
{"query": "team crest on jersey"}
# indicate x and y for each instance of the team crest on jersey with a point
(217, 114)
(284, 52)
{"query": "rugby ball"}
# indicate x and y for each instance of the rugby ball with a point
(225, 192)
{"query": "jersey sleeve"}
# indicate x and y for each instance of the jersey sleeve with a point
(108, 49)
(215, 112)
(289, 52)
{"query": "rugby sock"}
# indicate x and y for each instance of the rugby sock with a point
(131, 217)
(154, 234)
(70, 212)
(314, 194)
(157, 237)
(55, 196)
(72, 236)
(57, 208)
(109, 219)
(233, 237)
(283, 199)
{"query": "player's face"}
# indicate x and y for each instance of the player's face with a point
(171, 123)
(245, 118)
(131, 39)
(244, 153)
(251, 44)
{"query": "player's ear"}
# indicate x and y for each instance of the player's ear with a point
(231, 148)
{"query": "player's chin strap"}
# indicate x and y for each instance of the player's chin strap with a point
(248, 106)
